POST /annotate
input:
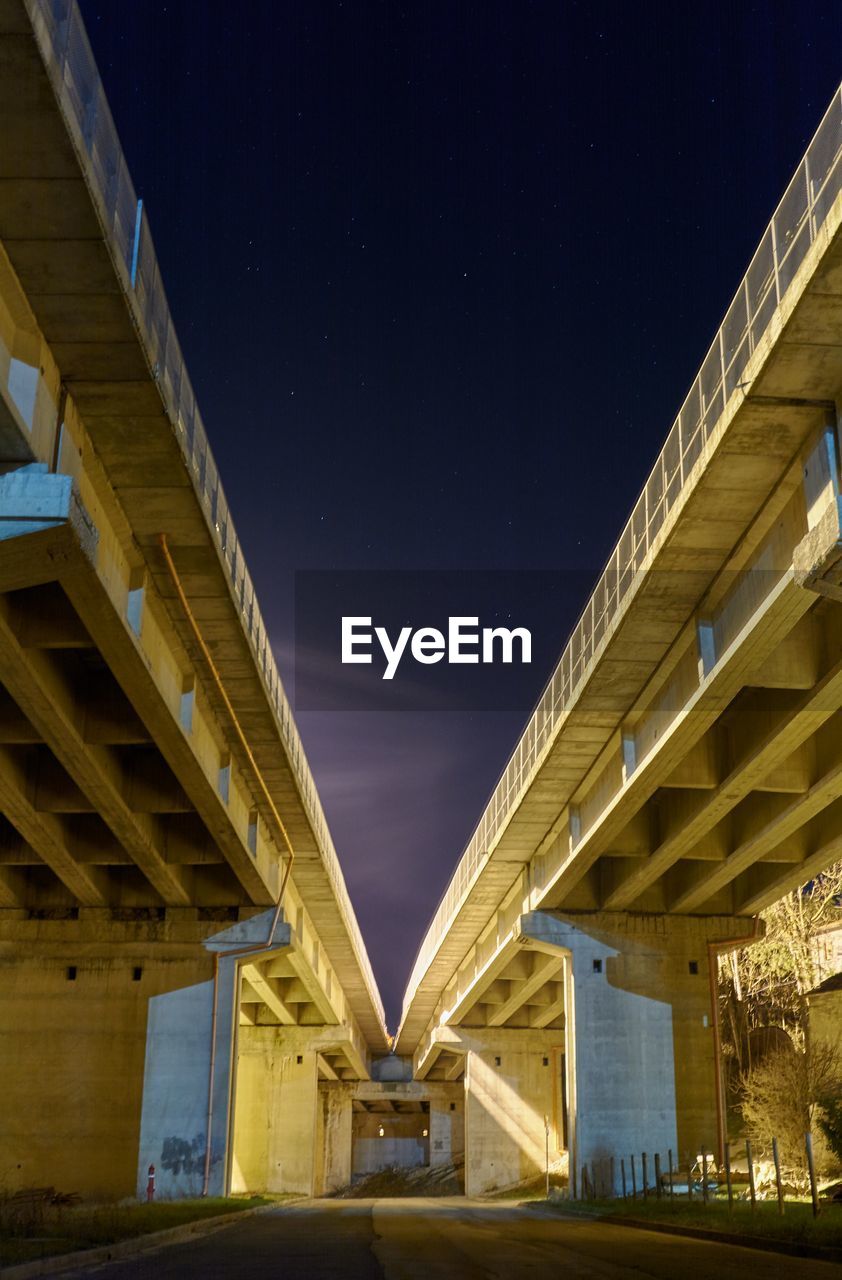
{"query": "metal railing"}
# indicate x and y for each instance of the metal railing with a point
(64, 46)
(793, 228)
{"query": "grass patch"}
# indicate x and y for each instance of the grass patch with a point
(796, 1226)
(65, 1229)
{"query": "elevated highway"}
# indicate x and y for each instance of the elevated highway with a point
(175, 931)
(183, 979)
(682, 769)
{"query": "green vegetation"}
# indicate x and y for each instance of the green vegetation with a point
(51, 1229)
(796, 1226)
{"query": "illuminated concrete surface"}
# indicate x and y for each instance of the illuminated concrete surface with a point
(152, 790)
(451, 1239)
(682, 769)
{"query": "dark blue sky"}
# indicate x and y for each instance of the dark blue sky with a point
(443, 273)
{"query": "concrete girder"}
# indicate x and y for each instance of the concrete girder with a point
(786, 824)
(535, 942)
(777, 884)
(38, 689)
(267, 993)
(45, 833)
(542, 1017)
(336, 1043)
(326, 1071)
(137, 677)
(784, 604)
(545, 968)
(313, 987)
(478, 984)
(793, 729)
(455, 1069)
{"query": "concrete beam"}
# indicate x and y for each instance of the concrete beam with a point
(823, 793)
(267, 992)
(313, 986)
(37, 687)
(456, 1069)
(545, 967)
(791, 731)
(783, 606)
(758, 898)
(45, 833)
(133, 671)
(326, 1071)
(542, 1017)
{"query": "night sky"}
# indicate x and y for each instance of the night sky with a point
(442, 274)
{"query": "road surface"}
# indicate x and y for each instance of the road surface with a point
(450, 1239)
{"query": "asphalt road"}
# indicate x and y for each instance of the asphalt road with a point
(449, 1239)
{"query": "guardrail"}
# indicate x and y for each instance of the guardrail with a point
(793, 228)
(64, 46)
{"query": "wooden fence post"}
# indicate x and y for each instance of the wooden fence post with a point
(728, 1175)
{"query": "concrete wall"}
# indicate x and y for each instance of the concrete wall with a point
(447, 1129)
(509, 1089)
(177, 1072)
(825, 1015)
(333, 1139)
(73, 1052)
(403, 1144)
(642, 1035)
(277, 1113)
(175, 1103)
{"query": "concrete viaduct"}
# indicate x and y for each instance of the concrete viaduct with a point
(182, 978)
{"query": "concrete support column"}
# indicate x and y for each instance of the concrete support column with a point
(441, 1132)
(334, 1137)
(104, 1051)
(187, 1079)
(640, 1032)
(509, 1090)
(277, 1114)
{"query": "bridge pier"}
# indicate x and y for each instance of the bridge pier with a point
(510, 1095)
(276, 1110)
(104, 1034)
(640, 1028)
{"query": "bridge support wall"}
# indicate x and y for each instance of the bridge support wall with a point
(641, 1028)
(290, 1134)
(82, 1001)
(510, 1088)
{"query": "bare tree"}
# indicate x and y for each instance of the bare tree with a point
(763, 987)
(782, 1097)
